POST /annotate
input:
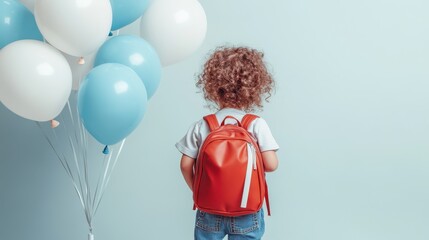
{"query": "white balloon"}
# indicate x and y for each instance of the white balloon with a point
(175, 28)
(35, 79)
(76, 27)
(79, 71)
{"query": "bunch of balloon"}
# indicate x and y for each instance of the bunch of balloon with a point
(63, 65)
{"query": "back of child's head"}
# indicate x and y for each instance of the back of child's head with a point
(236, 77)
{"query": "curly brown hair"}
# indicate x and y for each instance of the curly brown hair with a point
(236, 77)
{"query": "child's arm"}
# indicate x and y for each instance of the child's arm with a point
(270, 161)
(187, 167)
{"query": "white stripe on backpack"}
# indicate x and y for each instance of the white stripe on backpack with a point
(251, 161)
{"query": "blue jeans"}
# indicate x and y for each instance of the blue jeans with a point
(216, 227)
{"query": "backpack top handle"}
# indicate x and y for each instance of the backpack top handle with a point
(214, 124)
(238, 122)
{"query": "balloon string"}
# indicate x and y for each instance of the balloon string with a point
(103, 189)
(82, 186)
(99, 180)
(82, 132)
(87, 188)
(70, 112)
(83, 181)
(80, 192)
(63, 163)
(106, 168)
(88, 202)
(78, 142)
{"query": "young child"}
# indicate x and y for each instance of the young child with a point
(236, 81)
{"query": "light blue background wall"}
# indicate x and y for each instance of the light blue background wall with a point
(350, 113)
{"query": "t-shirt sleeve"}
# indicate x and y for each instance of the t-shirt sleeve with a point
(190, 143)
(264, 136)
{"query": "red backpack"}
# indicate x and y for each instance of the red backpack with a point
(229, 175)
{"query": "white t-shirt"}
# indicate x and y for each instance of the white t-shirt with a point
(197, 133)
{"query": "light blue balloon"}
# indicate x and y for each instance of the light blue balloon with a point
(16, 23)
(135, 53)
(126, 11)
(112, 101)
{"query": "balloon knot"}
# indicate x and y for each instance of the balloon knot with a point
(54, 123)
(110, 34)
(81, 61)
(106, 150)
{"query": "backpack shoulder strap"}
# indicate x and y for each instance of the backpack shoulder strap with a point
(212, 122)
(247, 120)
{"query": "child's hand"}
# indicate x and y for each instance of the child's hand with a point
(187, 167)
